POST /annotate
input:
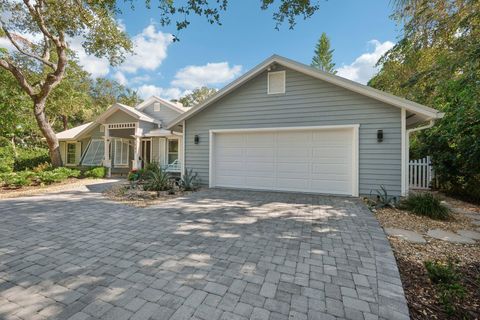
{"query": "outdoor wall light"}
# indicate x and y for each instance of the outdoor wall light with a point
(196, 139)
(379, 135)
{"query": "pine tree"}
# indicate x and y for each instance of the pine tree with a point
(323, 58)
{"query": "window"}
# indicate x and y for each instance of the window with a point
(71, 153)
(94, 153)
(122, 150)
(156, 106)
(172, 151)
(276, 82)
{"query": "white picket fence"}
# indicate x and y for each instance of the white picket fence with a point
(420, 173)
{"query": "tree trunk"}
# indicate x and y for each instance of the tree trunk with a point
(48, 133)
(65, 122)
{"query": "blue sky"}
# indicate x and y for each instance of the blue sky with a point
(212, 55)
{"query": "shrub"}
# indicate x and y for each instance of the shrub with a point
(6, 159)
(56, 175)
(28, 159)
(426, 204)
(156, 179)
(382, 200)
(447, 280)
(189, 181)
(97, 172)
(17, 179)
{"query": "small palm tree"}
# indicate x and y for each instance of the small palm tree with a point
(156, 179)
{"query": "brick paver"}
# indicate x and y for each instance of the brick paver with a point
(215, 254)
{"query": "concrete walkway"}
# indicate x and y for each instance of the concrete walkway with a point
(216, 254)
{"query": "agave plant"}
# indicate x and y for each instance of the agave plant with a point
(156, 179)
(189, 181)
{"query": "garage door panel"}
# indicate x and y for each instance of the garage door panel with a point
(293, 153)
(305, 160)
(259, 182)
(293, 184)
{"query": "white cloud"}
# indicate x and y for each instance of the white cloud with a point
(141, 79)
(5, 43)
(97, 67)
(363, 68)
(191, 77)
(150, 49)
(148, 90)
(120, 78)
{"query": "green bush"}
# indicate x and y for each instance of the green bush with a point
(97, 172)
(7, 159)
(28, 159)
(16, 179)
(426, 204)
(446, 278)
(56, 175)
(156, 179)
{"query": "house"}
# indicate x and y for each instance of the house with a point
(282, 126)
(125, 138)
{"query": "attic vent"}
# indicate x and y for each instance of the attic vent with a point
(276, 82)
(156, 106)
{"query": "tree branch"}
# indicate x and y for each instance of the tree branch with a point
(28, 54)
(36, 14)
(18, 74)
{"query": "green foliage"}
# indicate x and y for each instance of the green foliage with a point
(437, 64)
(426, 204)
(27, 177)
(97, 172)
(156, 179)
(28, 159)
(382, 199)
(56, 175)
(323, 58)
(7, 158)
(197, 96)
(446, 278)
(189, 181)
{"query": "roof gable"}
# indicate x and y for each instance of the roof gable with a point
(426, 112)
(174, 106)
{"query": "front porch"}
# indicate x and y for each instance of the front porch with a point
(130, 146)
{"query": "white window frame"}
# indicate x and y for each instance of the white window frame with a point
(284, 81)
(151, 149)
(74, 143)
(168, 150)
(123, 143)
(156, 106)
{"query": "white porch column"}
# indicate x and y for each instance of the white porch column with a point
(106, 155)
(136, 163)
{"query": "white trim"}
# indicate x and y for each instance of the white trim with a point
(166, 103)
(183, 150)
(168, 148)
(123, 142)
(67, 164)
(271, 73)
(211, 181)
(387, 98)
(355, 148)
(151, 147)
(403, 116)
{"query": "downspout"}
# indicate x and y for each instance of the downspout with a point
(407, 151)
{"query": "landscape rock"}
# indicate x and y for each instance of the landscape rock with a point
(449, 236)
(407, 235)
(469, 234)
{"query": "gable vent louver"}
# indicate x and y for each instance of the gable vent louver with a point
(276, 82)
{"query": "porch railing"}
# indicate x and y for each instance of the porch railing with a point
(175, 166)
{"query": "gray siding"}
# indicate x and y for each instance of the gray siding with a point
(166, 114)
(307, 102)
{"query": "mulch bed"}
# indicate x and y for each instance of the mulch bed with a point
(421, 294)
(138, 198)
(26, 191)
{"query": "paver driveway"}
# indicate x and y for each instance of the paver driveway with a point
(214, 254)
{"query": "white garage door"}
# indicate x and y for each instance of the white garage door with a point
(313, 160)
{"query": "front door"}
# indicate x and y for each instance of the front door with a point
(146, 151)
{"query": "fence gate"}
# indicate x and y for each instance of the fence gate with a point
(420, 173)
